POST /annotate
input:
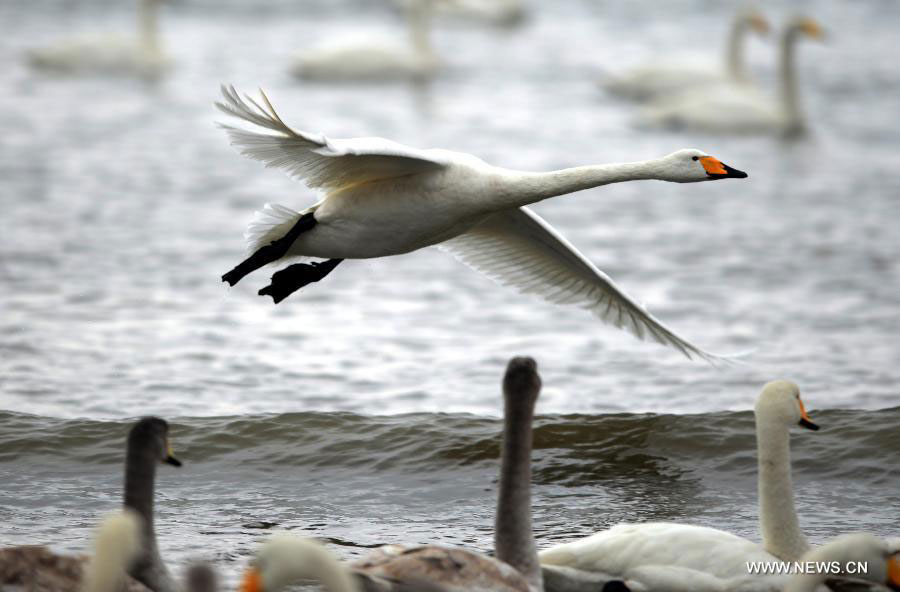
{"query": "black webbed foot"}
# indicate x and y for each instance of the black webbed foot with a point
(271, 252)
(290, 279)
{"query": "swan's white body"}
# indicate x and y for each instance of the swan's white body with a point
(738, 108)
(881, 561)
(139, 55)
(654, 553)
(117, 544)
(665, 78)
(383, 198)
(374, 59)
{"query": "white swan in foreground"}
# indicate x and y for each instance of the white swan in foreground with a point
(740, 108)
(286, 559)
(847, 553)
(117, 545)
(383, 198)
(375, 59)
(141, 55)
(664, 78)
(662, 552)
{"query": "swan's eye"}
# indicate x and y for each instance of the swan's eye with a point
(695, 158)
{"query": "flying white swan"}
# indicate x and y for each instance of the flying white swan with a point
(741, 108)
(663, 78)
(286, 558)
(383, 198)
(141, 55)
(375, 59)
(667, 553)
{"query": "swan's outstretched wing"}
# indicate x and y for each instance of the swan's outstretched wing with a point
(519, 249)
(313, 158)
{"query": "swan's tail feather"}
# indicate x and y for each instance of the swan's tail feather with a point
(117, 543)
(269, 224)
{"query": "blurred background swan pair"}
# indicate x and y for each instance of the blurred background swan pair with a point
(708, 97)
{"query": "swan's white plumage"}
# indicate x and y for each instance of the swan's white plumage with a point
(117, 543)
(383, 198)
(519, 249)
(657, 552)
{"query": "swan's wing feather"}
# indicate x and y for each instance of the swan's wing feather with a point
(519, 249)
(313, 158)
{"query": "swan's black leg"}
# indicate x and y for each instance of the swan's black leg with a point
(293, 277)
(272, 252)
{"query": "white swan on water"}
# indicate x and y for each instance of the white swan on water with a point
(741, 108)
(375, 59)
(664, 555)
(284, 559)
(139, 55)
(383, 198)
(663, 78)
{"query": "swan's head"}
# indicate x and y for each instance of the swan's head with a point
(882, 563)
(690, 166)
(756, 21)
(521, 383)
(150, 436)
(780, 402)
(284, 559)
(806, 26)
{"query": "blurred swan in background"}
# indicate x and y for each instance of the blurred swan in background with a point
(741, 108)
(375, 59)
(501, 13)
(383, 198)
(284, 559)
(659, 552)
(139, 55)
(661, 78)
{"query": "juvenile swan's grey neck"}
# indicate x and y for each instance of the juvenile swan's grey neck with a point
(778, 522)
(140, 474)
(513, 536)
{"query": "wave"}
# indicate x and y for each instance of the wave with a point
(569, 449)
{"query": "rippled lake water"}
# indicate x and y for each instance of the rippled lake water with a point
(122, 205)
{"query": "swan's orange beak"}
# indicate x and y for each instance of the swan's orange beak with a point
(893, 570)
(252, 581)
(805, 421)
(812, 29)
(716, 169)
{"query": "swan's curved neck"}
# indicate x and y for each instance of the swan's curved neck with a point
(790, 99)
(147, 17)
(734, 58)
(418, 19)
(518, 188)
(778, 522)
(513, 535)
(140, 475)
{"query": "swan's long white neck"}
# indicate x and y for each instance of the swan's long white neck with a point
(520, 188)
(418, 16)
(789, 95)
(734, 58)
(147, 25)
(778, 522)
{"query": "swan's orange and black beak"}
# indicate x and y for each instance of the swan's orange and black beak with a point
(252, 581)
(170, 456)
(805, 421)
(893, 571)
(716, 169)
